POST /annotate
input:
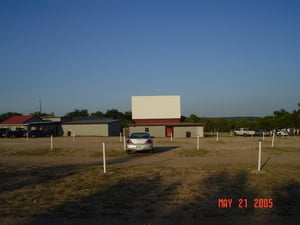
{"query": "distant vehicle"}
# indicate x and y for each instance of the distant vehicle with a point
(14, 134)
(243, 132)
(22, 130)
(37, 133)
(3, 132)
(282, 132)
(139, 141)
(262, 132)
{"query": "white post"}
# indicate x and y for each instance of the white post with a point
(217, 136)
(263, 136)
(273, 137)
(124, 142)
(104, 159)
(198, 144)
(120, 136)
(51, 142)
(259, 156)
(171, 136)
(27, 136)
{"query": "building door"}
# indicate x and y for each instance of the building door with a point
(169, 131)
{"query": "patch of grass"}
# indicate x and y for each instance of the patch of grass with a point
(39, 152)
(216, 142)
(109, 153)
(278, 151)
(192, 152)
(145, 190)
(34, 199)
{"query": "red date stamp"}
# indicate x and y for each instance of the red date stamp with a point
(242, 203)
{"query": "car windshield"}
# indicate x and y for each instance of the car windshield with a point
(139, 135)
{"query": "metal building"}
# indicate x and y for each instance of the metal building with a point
(92, 127)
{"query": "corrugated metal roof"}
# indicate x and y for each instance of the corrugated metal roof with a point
(18, 119)
(92, 121)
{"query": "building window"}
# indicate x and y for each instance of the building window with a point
(146, 129)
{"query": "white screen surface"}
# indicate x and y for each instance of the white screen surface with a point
(155, 107)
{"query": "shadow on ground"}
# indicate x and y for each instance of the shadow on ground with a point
(12, 179)
(161, 149)
(143, 199)
(139, 154)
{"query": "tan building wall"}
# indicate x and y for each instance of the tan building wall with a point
(195, 131)
(179, 131)
(85, 129)
(13, 127)
(156, 131)
(52, 118)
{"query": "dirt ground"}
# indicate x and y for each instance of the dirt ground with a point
(176, 184)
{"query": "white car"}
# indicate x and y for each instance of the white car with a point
(139, 141)
(282, 132)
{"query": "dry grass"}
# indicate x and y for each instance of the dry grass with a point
(177, 181)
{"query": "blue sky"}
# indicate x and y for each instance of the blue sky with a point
(224, 58)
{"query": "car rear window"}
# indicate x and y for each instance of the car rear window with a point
(139, 135)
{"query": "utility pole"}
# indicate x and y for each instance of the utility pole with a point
(40, 103)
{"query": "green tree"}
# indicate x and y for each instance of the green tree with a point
(128, 115)
(282, 118)
(192, 118)
(78, 113)
(97, 114)
(267, 123)
(115, 114)
(42, 114)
